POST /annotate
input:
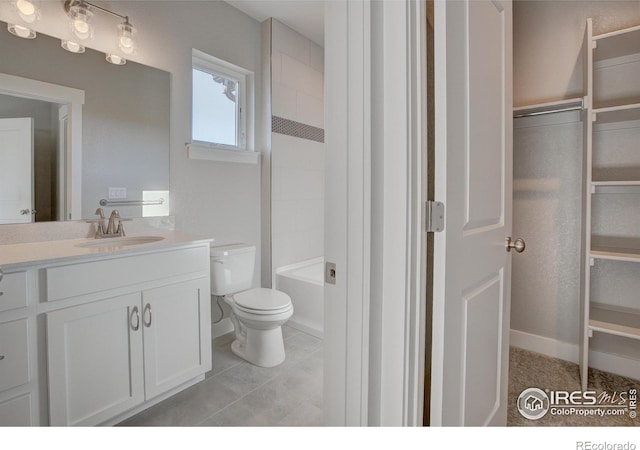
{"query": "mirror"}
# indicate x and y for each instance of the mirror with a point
(123, 154)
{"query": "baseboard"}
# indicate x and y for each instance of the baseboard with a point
(221, 328)
(546, 346)
(305, 329)
(148, 404)
(607, 362)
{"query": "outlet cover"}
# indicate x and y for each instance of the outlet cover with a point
(117, 193)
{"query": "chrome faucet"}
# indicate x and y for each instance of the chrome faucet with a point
(100, 212)
(112, 230)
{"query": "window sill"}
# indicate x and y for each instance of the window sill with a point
(206, 153)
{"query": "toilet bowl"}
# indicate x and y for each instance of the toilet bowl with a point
(257, 314)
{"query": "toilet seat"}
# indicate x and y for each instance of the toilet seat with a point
(262, 301)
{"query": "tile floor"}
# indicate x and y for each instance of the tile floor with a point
(236, 393)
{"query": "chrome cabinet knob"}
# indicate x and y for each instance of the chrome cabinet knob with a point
(518, 245)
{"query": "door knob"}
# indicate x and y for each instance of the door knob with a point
(518, 245)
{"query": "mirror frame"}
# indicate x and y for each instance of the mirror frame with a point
(74, 99)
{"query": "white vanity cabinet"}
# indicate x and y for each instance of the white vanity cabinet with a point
(138, 336)
(92, 333)
(108, 356)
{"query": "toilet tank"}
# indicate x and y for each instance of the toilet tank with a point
(232, 268)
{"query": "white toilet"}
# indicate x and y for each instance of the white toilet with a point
(257, 314)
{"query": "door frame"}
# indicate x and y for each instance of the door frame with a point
(376, 154)
(74, 99)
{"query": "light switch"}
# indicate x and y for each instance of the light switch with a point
(117, 193)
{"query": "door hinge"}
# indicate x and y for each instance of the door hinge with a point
(435, 217)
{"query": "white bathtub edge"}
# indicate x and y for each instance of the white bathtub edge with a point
(298, 265)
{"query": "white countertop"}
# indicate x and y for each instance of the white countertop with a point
(35, 253)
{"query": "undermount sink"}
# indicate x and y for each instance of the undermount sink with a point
(120, 242)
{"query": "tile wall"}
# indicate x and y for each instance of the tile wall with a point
(297, 164)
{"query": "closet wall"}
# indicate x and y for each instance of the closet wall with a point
(548, 151)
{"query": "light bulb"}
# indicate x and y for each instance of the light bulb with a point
(126, 39)
(81, 26)
(27, 10)
(80, 22)
(126, 42)
(26, 7)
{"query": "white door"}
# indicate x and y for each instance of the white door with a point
(16, 170)
(474, 178)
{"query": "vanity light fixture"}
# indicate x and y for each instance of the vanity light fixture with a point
(80, 13)
(29, 12)
(80, 16)
(126, 37)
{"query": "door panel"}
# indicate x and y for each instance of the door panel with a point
(482, 316)
(16, 170)
(177, 346)
(485, 147)
(473, 176)
(94, 361)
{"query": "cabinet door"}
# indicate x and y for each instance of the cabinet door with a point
(95, 360)
(14, 354)
(16, 412)
(177, 334)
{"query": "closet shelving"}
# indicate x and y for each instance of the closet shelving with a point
(611, 177)
(571, 104)
(613, 109)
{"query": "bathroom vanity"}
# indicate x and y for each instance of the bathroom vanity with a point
(93, 331)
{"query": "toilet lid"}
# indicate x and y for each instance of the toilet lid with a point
(262, 299)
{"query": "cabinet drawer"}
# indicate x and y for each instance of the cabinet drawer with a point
(13, 289)
(14, 354)
(16, 412)
(86, 278)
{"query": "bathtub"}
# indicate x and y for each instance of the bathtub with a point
(304, 283)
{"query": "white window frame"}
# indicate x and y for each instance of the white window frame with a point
(244, 152)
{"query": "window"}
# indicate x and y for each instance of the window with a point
(220, 96)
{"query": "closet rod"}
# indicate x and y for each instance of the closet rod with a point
(553, 111)
(562, 106)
